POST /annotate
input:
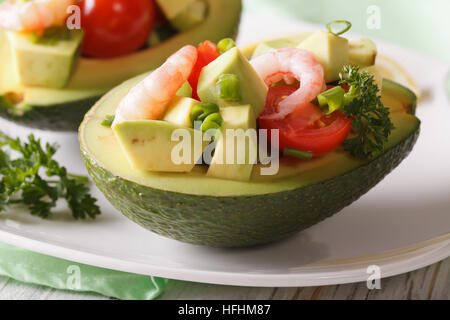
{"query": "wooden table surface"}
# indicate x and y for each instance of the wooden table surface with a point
(432, 282)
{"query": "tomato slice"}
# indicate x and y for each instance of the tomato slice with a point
(207, 53)
(115, 27)
(306, 128)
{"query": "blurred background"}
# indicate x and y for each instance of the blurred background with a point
(422, 25)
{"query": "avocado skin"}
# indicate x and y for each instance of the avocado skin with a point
(228, 221)
(58, 117)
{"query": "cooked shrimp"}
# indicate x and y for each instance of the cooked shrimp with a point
(288, 63)
(34, 15)
(149, 98)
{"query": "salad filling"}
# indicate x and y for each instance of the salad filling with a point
(301, 101)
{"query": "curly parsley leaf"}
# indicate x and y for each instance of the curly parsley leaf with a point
(36, 180)
(371, 126)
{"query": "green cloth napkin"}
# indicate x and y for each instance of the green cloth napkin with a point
(31, 267)
(422, 25)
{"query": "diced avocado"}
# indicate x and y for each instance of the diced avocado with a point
(191, 16)
(148, 145)
(172, 8)
(44, 65)
(179, 111)
(185, 90)
(238, 117)
(362, 52)
(272, 45)
(331, 51)
(252, 87)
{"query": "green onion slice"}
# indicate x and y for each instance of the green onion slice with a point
(228, 87)
(108, 121)
(225, 44)
(303, 155)
(338, 22)
(332, 99)
(203, 110)
(213, 121)
(212, 125)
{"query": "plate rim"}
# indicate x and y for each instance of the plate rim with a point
(412, 257)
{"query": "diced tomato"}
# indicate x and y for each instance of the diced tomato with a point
(207, 53)
(307, 128)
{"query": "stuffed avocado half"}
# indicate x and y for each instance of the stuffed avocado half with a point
(235, 206)
(51, 87)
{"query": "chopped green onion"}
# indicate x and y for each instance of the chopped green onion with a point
(338, 22)
(109, 119)
(228, 87)
(351, 95)
(303, 155)
(196, 112)
(213, 122)
(202, 111)
(225, 44)
(332, 99)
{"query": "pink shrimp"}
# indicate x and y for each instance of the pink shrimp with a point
(149, 98)
(283, 64)
(33, 15)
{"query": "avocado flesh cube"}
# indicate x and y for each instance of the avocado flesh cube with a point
(148, 145)
(237, 117)
(253, 88)
(63, 109)
(185, 90)
(272, 45)
(362, 53)
(194, 14)
(179, 111)
(44, 65)
(331, 51)
(172, 8)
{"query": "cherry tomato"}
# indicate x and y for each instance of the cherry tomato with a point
(207, 53)
(307, 128)
(115, 27)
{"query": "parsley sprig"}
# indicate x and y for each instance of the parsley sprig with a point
(36, 180)
(371, 126)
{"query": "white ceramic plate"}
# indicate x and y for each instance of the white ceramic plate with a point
(400, 225)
